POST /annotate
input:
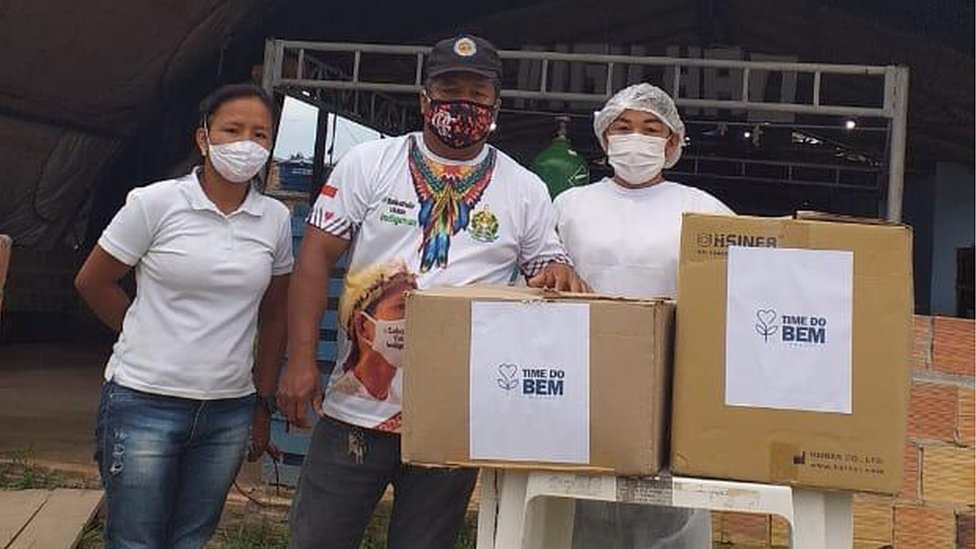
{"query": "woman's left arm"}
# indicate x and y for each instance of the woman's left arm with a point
(272, 332)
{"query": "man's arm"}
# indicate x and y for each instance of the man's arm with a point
(307, 297)
(562, 277)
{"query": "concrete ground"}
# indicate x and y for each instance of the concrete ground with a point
(48, 397)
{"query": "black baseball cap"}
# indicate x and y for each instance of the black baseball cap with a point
(466, 53)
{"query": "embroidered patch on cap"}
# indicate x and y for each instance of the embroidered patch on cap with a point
(465, 47)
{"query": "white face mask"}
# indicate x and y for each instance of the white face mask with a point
(388, 339)
(238, 161)
(636, 158)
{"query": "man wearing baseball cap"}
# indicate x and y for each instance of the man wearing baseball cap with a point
(438, 207)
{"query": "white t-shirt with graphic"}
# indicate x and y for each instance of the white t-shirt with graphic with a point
(626, 241)
(419, 221)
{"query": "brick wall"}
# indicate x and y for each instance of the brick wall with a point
(936, 503)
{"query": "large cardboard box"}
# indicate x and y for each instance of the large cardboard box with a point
(792, 352)
(521, 378)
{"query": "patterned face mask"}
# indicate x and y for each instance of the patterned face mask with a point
(459, 123)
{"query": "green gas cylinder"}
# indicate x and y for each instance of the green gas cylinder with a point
(559, 166)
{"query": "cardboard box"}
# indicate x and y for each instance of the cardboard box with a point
(832, 413)
(521, 378)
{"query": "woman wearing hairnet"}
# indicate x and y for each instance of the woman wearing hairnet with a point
(623, 233)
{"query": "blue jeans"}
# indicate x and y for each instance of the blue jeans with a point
(167, 464)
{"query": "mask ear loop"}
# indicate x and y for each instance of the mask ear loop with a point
(496, 109)
(206, 133)
(430, 102)
(206, 128)
(369, 317)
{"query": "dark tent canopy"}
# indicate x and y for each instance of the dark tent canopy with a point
(97, 97)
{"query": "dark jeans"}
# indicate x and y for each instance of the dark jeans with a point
(344, 476)
(166, 465)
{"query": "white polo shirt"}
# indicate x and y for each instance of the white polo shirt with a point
(200, 277)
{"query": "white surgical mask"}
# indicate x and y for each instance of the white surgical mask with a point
(238, 161)
(636, 158)
(388, 339)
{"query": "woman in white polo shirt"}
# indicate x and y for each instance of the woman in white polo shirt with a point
(211, 257)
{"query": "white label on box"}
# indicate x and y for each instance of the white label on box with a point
(530, 382)
(788, 329)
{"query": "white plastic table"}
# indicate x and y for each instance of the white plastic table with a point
(535, 510)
